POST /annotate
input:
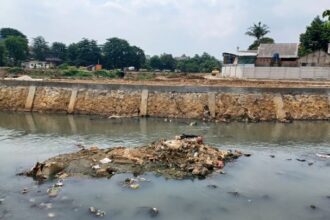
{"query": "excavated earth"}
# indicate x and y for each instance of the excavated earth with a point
(184, 157)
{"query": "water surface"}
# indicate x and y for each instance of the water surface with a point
(265, 187)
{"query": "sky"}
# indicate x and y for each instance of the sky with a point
(162, 26)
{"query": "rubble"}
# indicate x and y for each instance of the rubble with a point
(184, 157)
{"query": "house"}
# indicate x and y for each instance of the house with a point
(35, 64)
(317, 58)
(247, 57)
(278, 54)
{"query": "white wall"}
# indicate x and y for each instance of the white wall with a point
(251, 72)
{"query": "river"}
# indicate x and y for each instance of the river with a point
(252, 188)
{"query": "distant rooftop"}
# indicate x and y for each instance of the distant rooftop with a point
(285, 50)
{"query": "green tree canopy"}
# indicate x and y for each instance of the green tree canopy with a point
(316, 37)
(264, 40)
(84, 53)
(3, 54)
(167, 62)
(199, 64)
(40, 49)
(155, 62)
(118, 53)
(259, 31)
(17, 49)
(6, 32)
(59, 50)
(326, 13)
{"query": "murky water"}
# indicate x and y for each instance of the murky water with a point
(268, 188)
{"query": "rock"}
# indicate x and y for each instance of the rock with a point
(105, 161)
(272, 156)
(247, 155)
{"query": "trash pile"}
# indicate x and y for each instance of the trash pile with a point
(184, 157)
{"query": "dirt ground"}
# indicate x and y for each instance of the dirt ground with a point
(207, 81)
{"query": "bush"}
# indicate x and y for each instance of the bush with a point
(74, 72)
(64, 66)
(105, 74)
(15, 70)
(118, 73)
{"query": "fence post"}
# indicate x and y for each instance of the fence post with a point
(73, 99)
(30, 98)
(144, 103)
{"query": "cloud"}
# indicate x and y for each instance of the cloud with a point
(178, 27)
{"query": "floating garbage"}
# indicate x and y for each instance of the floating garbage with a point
(97, 212)
(184, 157)
(324, 156)
(105, 161)
(25, 190)
(51, 215)
(55, 189)
(153, 212)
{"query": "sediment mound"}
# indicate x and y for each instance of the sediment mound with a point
(184, 157)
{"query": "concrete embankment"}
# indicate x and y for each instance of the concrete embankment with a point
(195, 102)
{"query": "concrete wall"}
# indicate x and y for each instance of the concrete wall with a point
(295, 73)
(211, 103)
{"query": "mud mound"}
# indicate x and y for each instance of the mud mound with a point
(184, 157)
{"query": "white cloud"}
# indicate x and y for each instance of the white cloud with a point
(186, 26)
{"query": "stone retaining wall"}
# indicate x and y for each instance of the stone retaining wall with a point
(211, 103)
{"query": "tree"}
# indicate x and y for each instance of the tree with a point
(316, 37)
(155, 62)
(3, 54)
(168, 62)
(6, 32)
(326, 13)
(40, 49)
(59, 50)
(84, 53)
(17, 48)
(72, 53)
(264, 40)
(118, 53)
(137, 57)
(199, 64)
(258, 31)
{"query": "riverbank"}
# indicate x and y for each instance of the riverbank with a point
(177, 99)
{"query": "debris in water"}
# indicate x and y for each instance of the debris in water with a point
(25, 190)
(301, 160)
(153, 212)
(324, 156)
(313, 207)
(272, 156)
(193, 124)
(2, 201)
(97, 212)
(235, 194)
(212, 186)
(184, 157)
(310, 164)
(247, 155)
(51, 215)
(105, 161)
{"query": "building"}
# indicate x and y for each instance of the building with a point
(317, 58)
(35, 64)
(282, 54)
(240, 58)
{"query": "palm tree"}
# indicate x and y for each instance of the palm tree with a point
(258, 31)
(326, 13)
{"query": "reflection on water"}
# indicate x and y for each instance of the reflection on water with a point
(259, 187)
